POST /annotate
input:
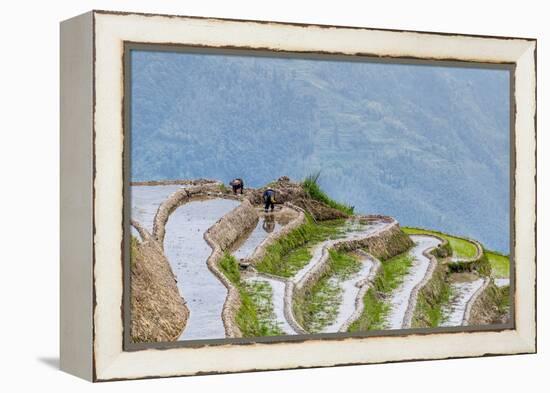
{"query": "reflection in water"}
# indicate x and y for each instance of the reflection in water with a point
(268, 223)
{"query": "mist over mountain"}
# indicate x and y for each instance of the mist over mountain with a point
(427, 145)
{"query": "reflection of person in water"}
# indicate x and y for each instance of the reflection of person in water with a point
(269, 223)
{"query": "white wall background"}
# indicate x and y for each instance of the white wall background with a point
(29, 194)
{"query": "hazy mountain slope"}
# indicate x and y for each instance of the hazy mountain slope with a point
(428, 145)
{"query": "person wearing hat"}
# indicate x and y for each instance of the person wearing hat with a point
(269, 199)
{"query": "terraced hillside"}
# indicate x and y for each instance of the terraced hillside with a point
(310, 266)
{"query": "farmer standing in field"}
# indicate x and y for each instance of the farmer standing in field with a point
(269, 199)
(237, 184)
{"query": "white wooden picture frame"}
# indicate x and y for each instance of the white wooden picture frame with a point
(93, 179)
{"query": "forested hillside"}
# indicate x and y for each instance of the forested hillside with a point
(427, 145)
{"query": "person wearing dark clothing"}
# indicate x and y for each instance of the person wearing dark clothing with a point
(237, 184)
(269, 199)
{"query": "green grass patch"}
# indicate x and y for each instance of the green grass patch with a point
(224, 189)
(255, 316)
(295, 260)
(389, 277)
(290, 253)
(374, 313)
(312, 188)
(318, 307)
(500, 264)
(392, 272)
(504, 303)
(230, 268)
(434, 313)
(462, 248)
(261, 295)
(431, 299)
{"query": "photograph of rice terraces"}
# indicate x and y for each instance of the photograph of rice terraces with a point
(283, 196)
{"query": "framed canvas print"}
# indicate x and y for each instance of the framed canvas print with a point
(245, 195)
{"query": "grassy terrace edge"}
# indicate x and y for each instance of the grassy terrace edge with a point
(283, 258)
(438, 292)
(389, 277)
(461, 247)
(254, 316)
(290, 253)
(490, 262)
(432, 298)
(318, 305)
(500, 264)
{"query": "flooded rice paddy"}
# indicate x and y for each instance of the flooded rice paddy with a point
(463, 287)
(399, 299)
(350, 289)
(145, 201)
(188, 252)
